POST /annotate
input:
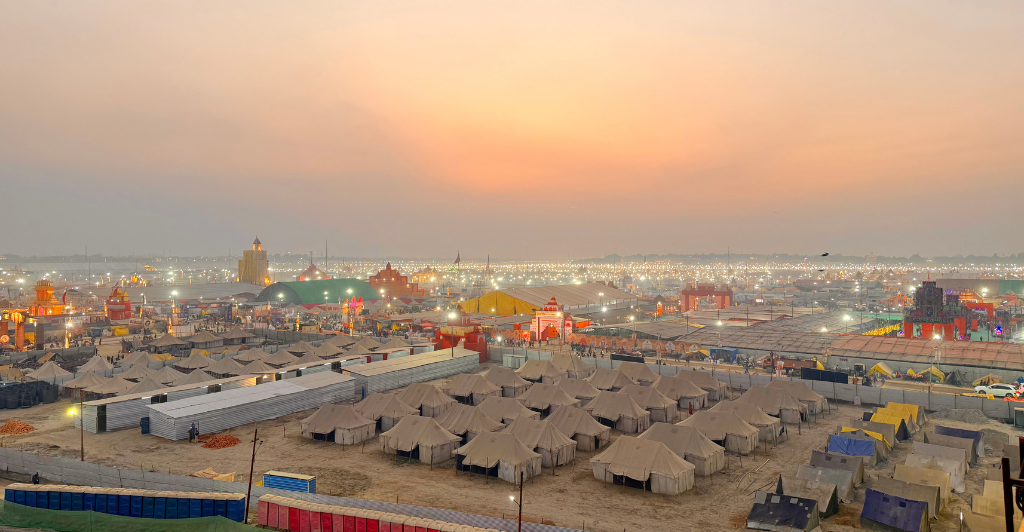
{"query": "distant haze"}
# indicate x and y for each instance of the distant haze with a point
(530, 129)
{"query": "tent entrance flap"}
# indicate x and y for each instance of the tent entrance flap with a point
(620, 480)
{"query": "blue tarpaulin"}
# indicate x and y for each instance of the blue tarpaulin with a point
(850, 446)
(895, 512)
(976, 435)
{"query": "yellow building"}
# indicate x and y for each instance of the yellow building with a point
(254, 268)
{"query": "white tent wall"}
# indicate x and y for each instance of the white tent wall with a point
(510, 473)
(354, 436)
(707, 466)
(736, 443)
(438, 453)
(434, 411)
(556, 457)
(662, 484)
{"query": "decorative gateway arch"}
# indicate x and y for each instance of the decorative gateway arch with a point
(695, 292)
(551, 322)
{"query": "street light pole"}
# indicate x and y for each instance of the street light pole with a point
(252, 465)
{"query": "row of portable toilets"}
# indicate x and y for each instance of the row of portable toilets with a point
(28, 393)
(128, 502)
(282, 513)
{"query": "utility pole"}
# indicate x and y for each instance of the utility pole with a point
(252, 465)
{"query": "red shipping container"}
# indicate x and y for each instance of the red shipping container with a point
(326, 522)
(293, 519)
(314, 521)
(303, 520)
(273, 515)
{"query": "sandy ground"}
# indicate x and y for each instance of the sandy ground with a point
(571, 497)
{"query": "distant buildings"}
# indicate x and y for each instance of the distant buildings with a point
(254, 268)
(394, 284)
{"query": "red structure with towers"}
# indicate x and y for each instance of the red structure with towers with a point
(689, 297)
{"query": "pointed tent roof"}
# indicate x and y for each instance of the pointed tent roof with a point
(538, 434)
(136, 372)
(378, 405)
(487, 450)
(606, 379)
(647, 397)
(194, 361)
(258, 368)
(423, 394)
(502, 408)
(716, 425)
(771, 400)
(341, 340)
(748, 412)
(505, 377)
(205, 337)
(705, 381)
(637, 458)
(311, 359)
(226, 366)
(460, 419)
(358, 351)
(579, 388)
(682, 440)
(96, 363)
(49, 370)
(536, 370)
(331, 417)
(800, 390)
(113, 385)
(301, 347)
(167, 340)
(569, 362)
(250, 355)
(637, 371)
(572, 420)
(87, 380)
(138, 357)
(368, 342)
(612, 406)
(145, 385)
(395, 342)
(168, 375)
(328, 350)
(677, 389)
(542, 396)
(196, 377)
(236, 334)
(469, 383)
(413, 431)
(280, 358)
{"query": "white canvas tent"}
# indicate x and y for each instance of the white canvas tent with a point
(471, 389)
(716, 389)
(954, 468)
(540, 371)
(736, 435)
(770, 427)
(468, 422)
(96, 363)
(639, 373)
(571, 365)
(420, 438)
(690, 444)
(620, 411)
(662, 408)
(501, 455)
(384, 408)
(579, 388)
(506, 409)
(577, 424)
(512, 385)
(427, 398)
(775, 402)
(555, 448)
(684, 392)
(544, 398)
(643, 463)
(338, 423)
(611, 380)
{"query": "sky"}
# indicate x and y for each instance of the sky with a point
(522, 130)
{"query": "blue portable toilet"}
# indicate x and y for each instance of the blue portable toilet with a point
(148, 505)
(220, 507)
(114, 504)
(15, 496)
(9, 495)
(208, 507)
(89, 502)
(124, 504)
(65, 500)
(101, 503)
(236, 509)
(182, 508)
(30, 499)
(159, 505)
(195, 507)
(55, 500)
(136, 506)
(77, 501)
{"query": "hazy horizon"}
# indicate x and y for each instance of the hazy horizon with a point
(530, 130)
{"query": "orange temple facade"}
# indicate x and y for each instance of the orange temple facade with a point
(46, 304)
(394, 284)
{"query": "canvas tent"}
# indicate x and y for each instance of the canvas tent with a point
(396, 342)
(499, 455)
(168, 375)
(571, 365)
(853, 464)
(882, 369)
(955, 443)
(471, 389)
(889, 512)
(420, 438)
(916, 412)
(195, 377)
(300, 348)
(577, 424)
(775, 402)
(770, 427)
(367, 342)
(927, 477)
(539, 371)
(225, 367)
(96, 363)
(689, 444)
(899, 419)
(467, 422)
(816, 403)
(237, 335)
(781, 513)
(842, 479)
(650, 399)
(87, 380)
(384, 408)
(145, 385)
(166, 342)
(251, 355)
(311, 359)
(341, 340)
(643, 463)
(866, 449)
(876, 435)
(136, 373)
(506, 409)
(196, 360)
(976, 435)
(705, 381)
(954, 468)
(619, 411)
(338, 423)
(544, 398)
(258, 367)
(206, 340)
(609, 379)
(48, 371)
(113, 385)
(639, 373)
(280, 358)
(425, 397)
(328, 350)
(887, 430)
(579, 388)
(555, 448)
(824, 493)
(930, 495)
(684, 392)
(881, 448)
(941, 451)
(512, 385)
(137, 357)
(726, 429)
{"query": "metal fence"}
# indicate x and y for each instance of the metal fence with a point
(74, 472)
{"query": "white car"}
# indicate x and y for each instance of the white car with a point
(998, 390)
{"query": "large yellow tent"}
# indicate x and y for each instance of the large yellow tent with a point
(501, 303)
(882, 369)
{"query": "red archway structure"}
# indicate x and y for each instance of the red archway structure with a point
(688, 298)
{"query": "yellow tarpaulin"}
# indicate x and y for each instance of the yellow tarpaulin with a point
(210, 473)
(912, 410)
(498, 303)
(894, 420)
(910, 372)
(987, 379)
(882, 369)
(876, 435)
(45, 358)
(162, 356)
(936, 372)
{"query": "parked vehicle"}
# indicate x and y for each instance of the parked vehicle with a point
(998, 390)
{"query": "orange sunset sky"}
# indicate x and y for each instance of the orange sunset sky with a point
(527, 129)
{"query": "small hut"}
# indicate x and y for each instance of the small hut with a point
(471, 389)
(426, 398)
(577, 424)
(645, 464)
(338, 423)
(420, 438)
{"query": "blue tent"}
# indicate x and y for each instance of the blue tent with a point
(850, 446)
(976, 435)
(889, 512)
